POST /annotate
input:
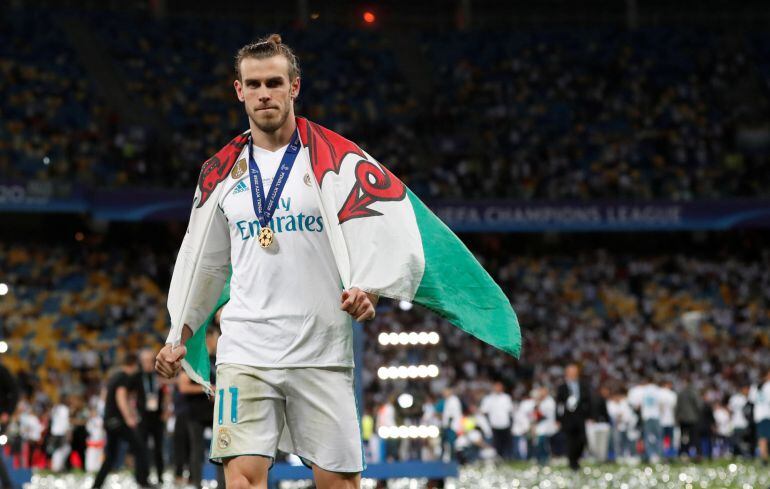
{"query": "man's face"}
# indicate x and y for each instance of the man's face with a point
(266, 91)
(147, 359)
(571, 373)
(498, 387)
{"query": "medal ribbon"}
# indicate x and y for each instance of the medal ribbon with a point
(265, 208)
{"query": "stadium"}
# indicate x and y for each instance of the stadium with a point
(606, 164)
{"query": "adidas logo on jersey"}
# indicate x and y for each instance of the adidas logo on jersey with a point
(241, 187)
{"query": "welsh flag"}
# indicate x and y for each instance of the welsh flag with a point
(384, 239)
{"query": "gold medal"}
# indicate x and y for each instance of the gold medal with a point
(265, 237)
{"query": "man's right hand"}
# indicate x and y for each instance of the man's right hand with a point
(169, 358)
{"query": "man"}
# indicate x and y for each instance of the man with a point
(646, 398)
(688, 411)
(667, 417)
(760, 396)
(151, 403)
(498, 408)
(739, 422)
(573, 407)
(623, 422)
(286, 347)
(598, 431)
(9, 398)
(545, 425)
(121, 423)
(60, 433)
(451, 423)
(522, 426)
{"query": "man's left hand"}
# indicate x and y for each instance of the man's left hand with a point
(359, 304)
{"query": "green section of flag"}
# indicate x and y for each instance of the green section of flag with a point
(457, 287)
(197, 354)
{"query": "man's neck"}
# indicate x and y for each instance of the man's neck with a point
(273, 141)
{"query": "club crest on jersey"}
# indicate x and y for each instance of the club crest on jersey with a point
(223, 438)
(239, 169)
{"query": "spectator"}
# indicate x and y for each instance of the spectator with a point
(668, 418)
(737, 405)
(522, 426)
(760, 397)
(545, 424)
(121, 424)
(451, 422)
(60, 434)
(598, 429)
(498, 409)
(573, 407)
(151, 402)
(688, 412)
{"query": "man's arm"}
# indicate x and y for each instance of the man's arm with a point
(187, 386)
(121, 396)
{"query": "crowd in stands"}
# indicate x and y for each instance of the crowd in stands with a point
(696, 321)
(672, 113)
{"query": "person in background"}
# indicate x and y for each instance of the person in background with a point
(706, 429)
(121, 424)
(573, 408)
(31, 431)
(623, 420)
(181, 436)
(451, 422)
(498, 409)
(724, 430)
(739, 420)
(150, 401)
(522, 426)
(760, 397)
(646, 398)
(79, 438)
(545, 424)
(668, 418)
(386, 418)
(598, 430)
(9, 397)
(95, 442)
(688, 410)
(60, 434)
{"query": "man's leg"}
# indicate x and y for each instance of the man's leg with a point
(499, 443)
(110, 454)
(335, 480)
(158, 442)
(574, 449)
(195, 429)
(138, 448)
(5, 478)
(181, 447)
(246, 472)
(507, 444)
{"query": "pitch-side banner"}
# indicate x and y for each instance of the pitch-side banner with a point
(486, 216)
(604, 216)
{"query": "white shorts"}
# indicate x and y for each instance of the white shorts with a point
(309, 411)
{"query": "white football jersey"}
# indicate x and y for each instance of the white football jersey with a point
(284, 308)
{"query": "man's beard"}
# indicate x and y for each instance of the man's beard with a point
(272, 124)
